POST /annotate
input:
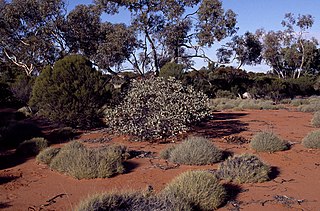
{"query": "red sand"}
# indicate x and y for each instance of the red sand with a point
(29, 186)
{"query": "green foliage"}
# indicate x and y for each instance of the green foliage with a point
(127, 202)
(157, 108)
(199, 189)
(45, 156)
(71, 92)
(244, 168)
(32, 147)
(239, 104)
(193, 151)
(312, 140)
(80, 162)
(225, 94)
(316, 119)
(268, 142)
(172, 69)
(311, 104)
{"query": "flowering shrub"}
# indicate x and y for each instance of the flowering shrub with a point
(157, 108)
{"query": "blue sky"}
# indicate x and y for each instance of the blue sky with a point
(252, 15)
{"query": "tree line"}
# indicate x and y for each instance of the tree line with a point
(37, 33)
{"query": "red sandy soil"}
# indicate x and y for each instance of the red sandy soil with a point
(295, 184)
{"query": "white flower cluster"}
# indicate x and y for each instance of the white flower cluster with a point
(157, 108)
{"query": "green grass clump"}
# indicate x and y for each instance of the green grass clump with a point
(46, 155)
(240, 104)
(199, 189)
(193, 151)
(80, 162)
(127, 202)
(316, 119)
(268, 142)
(244, 169)
(311, 104)
(32, 147)
(312, 140)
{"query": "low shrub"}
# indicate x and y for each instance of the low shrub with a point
(268, 142)
(32, 147)
(80, 162)
(157, 108)
(127, 202)
(311, 104)
(244, 169)
(165, 154)
(312, 140)
(316, 119)
(224, 103)
(194, 151)
(46, 155)
(199, 189)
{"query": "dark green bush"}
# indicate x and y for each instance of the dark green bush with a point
(172, 69)
(71, 92)
(157, 108)
(199, 189)
(193, 151)
(80, 162)
(268, 142)
(244, 169)
(312, 140)
(127, 202)
(32, 147)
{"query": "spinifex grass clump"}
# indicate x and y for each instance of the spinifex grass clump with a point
(46, 155)
(244, 169)
(312, 140)
(193, 151)
(80, 162)
(127, 202)
(32, 147)
(268, 142)
(316, 119)
(199, 189)
(157, 108)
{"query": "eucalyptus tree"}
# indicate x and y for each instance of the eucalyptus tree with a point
(30, 35)
(245, 49)
(173, 30)
(289, 52)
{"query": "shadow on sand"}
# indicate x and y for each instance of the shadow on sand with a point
(220, 125)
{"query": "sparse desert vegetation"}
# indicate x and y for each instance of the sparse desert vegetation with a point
(198, 189)
(266, 141)
(312, 140)
(193, 151)
(80, 162)
(244, 168)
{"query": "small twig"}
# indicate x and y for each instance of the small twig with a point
(283, 181)
(166, 167)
